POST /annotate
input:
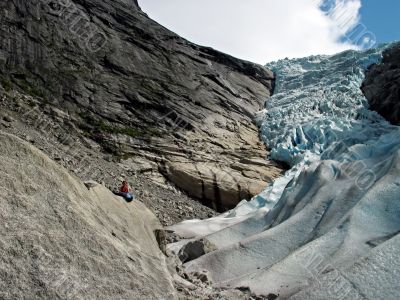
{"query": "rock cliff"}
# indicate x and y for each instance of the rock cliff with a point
(143, 93)
(382, 85)
(61, 239)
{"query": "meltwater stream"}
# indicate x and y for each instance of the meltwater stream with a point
(339, 201)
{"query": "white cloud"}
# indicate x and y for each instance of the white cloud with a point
(260, 30)
(344, 15)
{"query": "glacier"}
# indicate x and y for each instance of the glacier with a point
(330, 227)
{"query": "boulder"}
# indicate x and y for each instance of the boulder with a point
(217, 185)
(195, 249)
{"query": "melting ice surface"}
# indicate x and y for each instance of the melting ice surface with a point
(340, 199)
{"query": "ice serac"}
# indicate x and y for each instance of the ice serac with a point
(143, 93)
(61, 239)
(333, 221)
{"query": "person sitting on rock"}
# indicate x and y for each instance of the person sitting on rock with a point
(124, 187)
(124, 192)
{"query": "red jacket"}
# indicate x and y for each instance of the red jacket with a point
(124, 189)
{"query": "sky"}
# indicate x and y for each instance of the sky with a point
(268, 30)
(383, 18)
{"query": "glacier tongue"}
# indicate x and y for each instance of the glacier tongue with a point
(338, 205)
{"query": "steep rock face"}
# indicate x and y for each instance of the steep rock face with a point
(143, 92)
(382, 85)
(61, 239)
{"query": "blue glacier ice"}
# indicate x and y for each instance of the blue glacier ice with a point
(338, 207)
(318, 111)
(318, 101)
